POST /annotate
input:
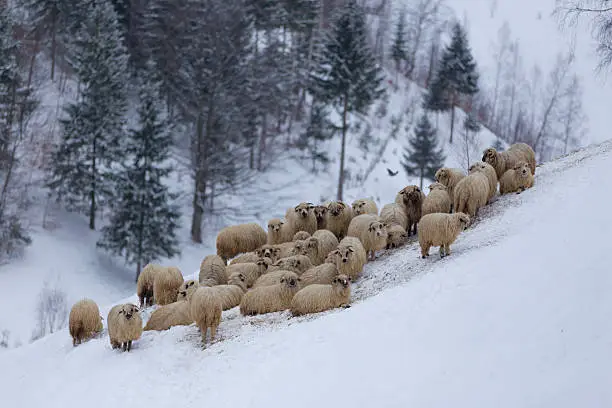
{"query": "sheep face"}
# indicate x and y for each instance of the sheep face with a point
(437, 186)
(304, 209)
(522, 170)
(186, 289)
(342, 281)
(396, 239)
(267, 251)
(128, 310)
(379, 229)
(411, 194)
(300, 248)
(359, 207)
(289, 280)
(263, 263)
(464, 219)
(442, 176)
(336, 208)
(490, 156)
(345, 254)
(275, 225)
(319, 212)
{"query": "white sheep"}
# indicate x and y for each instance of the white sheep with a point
(394, 214)
(238, 239)
(440, 229)
(319, 298)
(84, 321)
(231, 294)
(516, 179)
(364, 206)
(205, 308)
(300, 236)
(370, 231)
(489, 172)
(246, 258)
(271, 252)
(301, 218)
(251, 271)
(166, 285)
(411, 199)
(320, 212)
(272, 278)
(504, 161)
(437, 200)
(317, 247)
(279, 231)
(283, 250)
(296, 263)
(471, 193)
(144, 284)
(269, 299)
(212, 271)
(449, 177)
(174, 314)
(322, 274)
(396, 236)
(339, 216)
(124, 326)
(349, 258)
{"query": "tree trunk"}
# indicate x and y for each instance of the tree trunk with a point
(262, 141)
(138, 264)
(342, 150)
(421, 182)
(200, 184)
(53, 43)
(452, 124)
(92, 204)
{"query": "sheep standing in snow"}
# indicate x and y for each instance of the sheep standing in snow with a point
(317, 247)
(212, 271)
(441, 230)
(301, 218)
(84, 321)
(279, 231)
(205, 309)
(489, 172)
(396, 236)
(364, 206)
(349, 258)
(322, 274)
(394, 214)
(320, 212)
(449, 177)
(370, 231)
(174, 314)
(437, 200)
(319, 298)
(516, 179)
(251, 271)
(301, 236)
(296, 263)
(124, 326)
(471, 193)
(166, 285)
(339, 216)
(504, 161)
(144, 284)
(411, 199)
(238, 239)
(269, 299)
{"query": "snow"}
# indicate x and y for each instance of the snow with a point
(517, 316)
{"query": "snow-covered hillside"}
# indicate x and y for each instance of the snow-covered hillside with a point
(66, 257)
(517, 316)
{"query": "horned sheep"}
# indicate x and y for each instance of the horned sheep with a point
(471, 193)
(437, 200)
(166, 285)
(319, 297)
(124, 326)
(238, 239)
(441, 230)
(84, 321)
(269, 299)
(504, 161)
(339, 216)
(371, 232)
(364, 206)
(301, 218)
(516, 179)
(488, 171)
(411, 199)
(212, 271)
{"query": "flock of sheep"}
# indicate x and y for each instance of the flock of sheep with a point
(307, 261)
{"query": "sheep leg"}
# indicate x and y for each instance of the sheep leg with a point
(213, 332)
(204, 330)
(345, 306)
(447, 250)
(124, 346)
(424, 251)
(129, 345)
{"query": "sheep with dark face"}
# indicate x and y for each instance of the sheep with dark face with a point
(339, 216)
(124, 326)
(320, 212)
(411, 198)
(301, 218)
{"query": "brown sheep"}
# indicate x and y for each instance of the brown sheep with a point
(339, 216)
(449, 177)
(371, 232)
(411, 199)
(269, 299)
(84, 321)
(441, 230)
(437, 200)
(320, 297)
(516, 179)
(301, 218)
(504, 161)
(488, 171)
(238, 239)
(471, 193)
(320, 212)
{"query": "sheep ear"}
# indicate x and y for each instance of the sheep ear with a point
(299, 279)
(282, 280)
(350, 249)
(282, 222)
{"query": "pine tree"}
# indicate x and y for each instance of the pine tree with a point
(422, 157)
(82, 165)
(457, 72)
(398, 48)
(319, 129)
(349, 77)
(144, 222)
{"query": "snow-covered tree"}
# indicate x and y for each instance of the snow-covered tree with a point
(421, 156)
(93, 131)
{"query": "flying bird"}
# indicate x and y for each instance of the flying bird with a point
(392, 174)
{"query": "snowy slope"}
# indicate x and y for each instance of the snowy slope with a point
(517, 316)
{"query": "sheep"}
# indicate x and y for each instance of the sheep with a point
(516, 179)
(370, 231)
(317, 247)
(238, 239)
(231, 294)
(174, 314)
(271, 252)
(396, 236)
(319, 297)
(394, 214)
(300, 236)
(251, 271)
(166, 284)
(437, 200)
(440, 229)
(84, 321)
(339, 216)
(411, 199)
(296, 263)
(205, 307)
(320, 212)
(269, 299)
(124, 326)
(279, 231)
(301, 218)
(283, 250)
(504, 161)
(144, 284)
(364, 206)
(449, 177)
(212, 271)
(488, 171)
(322, 274)
(471, 193)
(245, 258)
(349, 257)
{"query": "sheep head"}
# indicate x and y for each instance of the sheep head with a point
(490, 156)
(358, 207)
(396, 237)
(263, 263)
(522, 169)
(290, 280)
(186, 289)
(319, 212)
(300, 248)
(275, 225)
(378, 228)
(437, 186)
(342, 280)
(464, 220)
(266, 251)
(411, 194)
(238, 279)
(304, 209)
(128, 310)
(336, 208)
